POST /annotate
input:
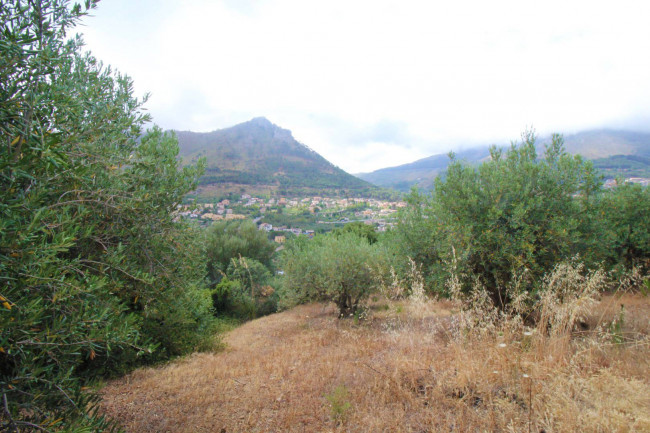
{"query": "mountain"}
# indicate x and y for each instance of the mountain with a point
(420, 173)
(262, 158)
(615, 153)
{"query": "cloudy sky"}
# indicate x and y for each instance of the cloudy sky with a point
(371, 84)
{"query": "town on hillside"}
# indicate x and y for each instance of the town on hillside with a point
(285, 217)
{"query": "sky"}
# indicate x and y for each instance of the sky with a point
(373, 84)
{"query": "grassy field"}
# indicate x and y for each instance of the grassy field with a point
(408, 366)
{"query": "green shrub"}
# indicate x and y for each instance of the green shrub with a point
(246, 291)
(343, 269)
(624, 215)
(504, 224)
(95, 275)
(340, 405)
(228, 240)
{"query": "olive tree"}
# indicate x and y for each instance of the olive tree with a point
(343, 269)
(513, 216)
(95, 274)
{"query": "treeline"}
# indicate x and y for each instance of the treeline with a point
(498, 228)
(505, 224)
(293, 178)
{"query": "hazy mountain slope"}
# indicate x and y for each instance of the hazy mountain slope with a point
(604, 143)
(615, 153)
(421, 172)
(259, 156)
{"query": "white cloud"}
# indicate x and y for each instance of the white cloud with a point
(448, 72)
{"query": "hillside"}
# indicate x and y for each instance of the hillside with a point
(615, 153)
(260, 157)
(407, 367)
(421, 172)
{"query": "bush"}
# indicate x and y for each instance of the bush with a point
(360, 229)
(228, 240)
(95, 275)
(246, 291)
(507, 221)
(624, 212)
(343, 269)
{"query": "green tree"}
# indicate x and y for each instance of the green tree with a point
(94, 273)
(227, 240)
(343, 269)
(512, 215)
(255, 294)
(624, 213)
(360, 229)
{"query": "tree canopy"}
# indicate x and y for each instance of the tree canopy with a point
(95, 274)
(513, 215)
(343, 269)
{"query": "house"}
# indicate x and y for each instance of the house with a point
(280, 239)
(266, 227)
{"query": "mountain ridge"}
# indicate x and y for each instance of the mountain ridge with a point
(261, 157)
(614, 152)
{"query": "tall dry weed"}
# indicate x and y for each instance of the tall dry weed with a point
(398, 287)
(568, 295)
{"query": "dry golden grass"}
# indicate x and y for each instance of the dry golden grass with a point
(409, 367)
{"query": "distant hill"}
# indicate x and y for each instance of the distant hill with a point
(614, 153)
(420, 173)
(261, 158)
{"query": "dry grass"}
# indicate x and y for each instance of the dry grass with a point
(409, 367)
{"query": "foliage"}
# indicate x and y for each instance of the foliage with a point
(95, 276)
(227, 240)
(505, 223)
(303, 221)
(239, 266)
(340, 405)
(360, 229)
(624, 212)
(343, 269)
(255, 294)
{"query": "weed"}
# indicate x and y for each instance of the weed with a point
(360, 315)
(616, 327)
(340, 404)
